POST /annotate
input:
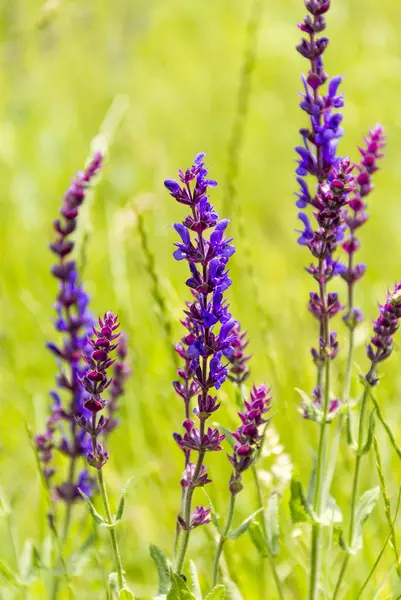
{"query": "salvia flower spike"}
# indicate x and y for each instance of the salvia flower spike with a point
(73, 323)
(95, 381)
(378, 350)
(355, 216)
(209, 344)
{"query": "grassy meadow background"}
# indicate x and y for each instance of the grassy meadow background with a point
(175, 67)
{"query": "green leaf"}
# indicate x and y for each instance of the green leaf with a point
(338, 535)
(332, 513)
(233, 592)
(121, 502)
(96, 517)
(179, 589)
(229, 436)
(364, 509)
(163, 569)
(213, 515)
(371, 433)
(308, 403)
(9, 575)
(29, 560)
(234, 534)
(217, 593)
(299, 508)
(126, 594)
(258, 538)
(194, 580)
(272, 524)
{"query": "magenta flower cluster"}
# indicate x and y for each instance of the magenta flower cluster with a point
(95, 381)
(249, 434)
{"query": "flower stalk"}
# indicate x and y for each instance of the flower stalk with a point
(211, 333)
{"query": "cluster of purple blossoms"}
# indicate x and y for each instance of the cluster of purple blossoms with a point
(95, 381)
(208, 344)
(249, 434)
(356, 215)
(121, 371)
(329, 203)
(73, 322)
(384, 328)
(318, 154)
(238, 361)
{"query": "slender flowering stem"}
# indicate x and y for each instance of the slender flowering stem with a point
(379, 349)
(355, 216)
(223, 537)
(112, 531)
(211, 339)
(249, 436)
(95, 381)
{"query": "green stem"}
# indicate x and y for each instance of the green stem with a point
(318, 503)
(355, 485)
(271, 559)
(112, 531)
(188, 505)
(223, 537)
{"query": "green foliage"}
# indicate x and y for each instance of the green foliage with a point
(217, 593)
(234, 534)
(98, 519)
(272, 517)
(179, 589)
(163, 569)
(194, 580)
(300, 510)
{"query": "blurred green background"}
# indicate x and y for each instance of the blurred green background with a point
(175, 66)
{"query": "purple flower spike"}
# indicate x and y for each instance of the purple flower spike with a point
(95, 381)
(355, 215)
(210, 339)
(238, 361)
(384, 328)
(334, 182)
(74, 323)
(249, 434)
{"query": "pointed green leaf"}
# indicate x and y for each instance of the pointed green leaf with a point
(213, 515)
(29, 560)
(332, 513)
(300, 510)
(234, 534)
(272, 524)
(339, 537)
(229, 436)
(308, 404)
(217, 593)
(194, 581)
(126, 594)
(371, 433)
(179, 589)
(233, 592)
(364, 509)
(9, 575)
(96, 517)
(163, 569)
(121, 502)
(258, 538)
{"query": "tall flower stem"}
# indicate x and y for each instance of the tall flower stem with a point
(261, 507)
(111, 528)
(223, 537)
(355, 485)
(316, 548)
(188, 507)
